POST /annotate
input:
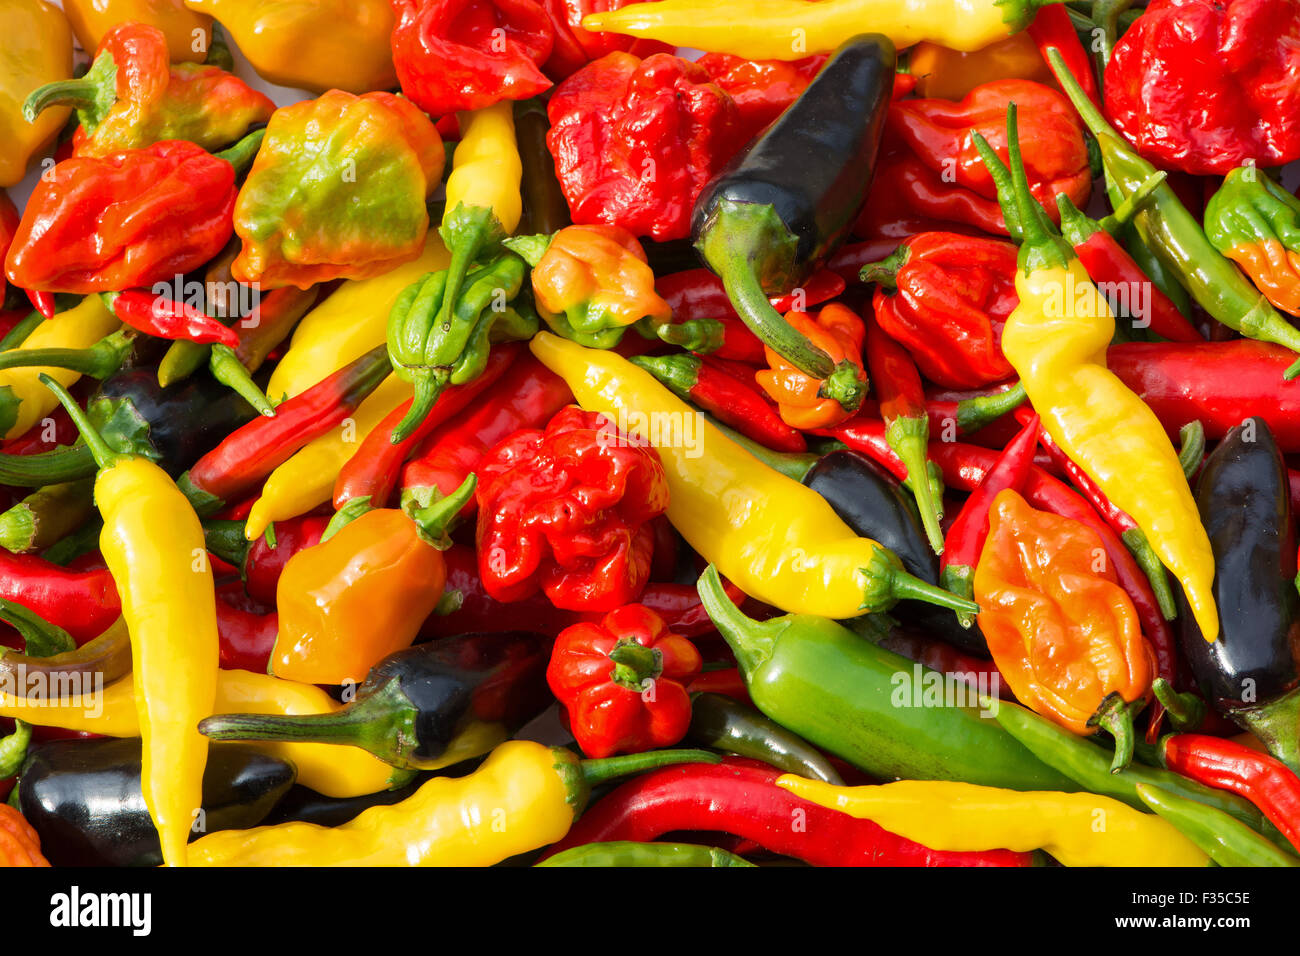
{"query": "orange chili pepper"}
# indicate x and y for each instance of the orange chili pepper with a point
(362, 593)
(839, 332)
(591, 282)
(950, 74)
(1062, 631)
(19, 844)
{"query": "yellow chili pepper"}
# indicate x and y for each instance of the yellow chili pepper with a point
(189, 34)
(307, 479)
(524, 797)
(316, 45)
(774, 538)
(1078, 829)
(1056, 339)
(486, 169)
(348, 324)
(37, 50)
(153, 545)
(791, 29)
(328, 769)
(78, 328)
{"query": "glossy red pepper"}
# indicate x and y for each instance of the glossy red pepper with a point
(575, 47)
(468, 54)
(762, 89)
(83, 603)
(1052, 27)
(166, 319)
(246, 638)
(1204, 86)
(739, 796)
(621, 682)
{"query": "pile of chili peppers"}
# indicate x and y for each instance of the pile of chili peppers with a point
(894, 430)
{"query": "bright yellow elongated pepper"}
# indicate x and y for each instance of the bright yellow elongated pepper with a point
(1056, 340)
(486, 169)
(774, 538)
(153, 545)
(37, 50)
(348, 324)
(1078, 829)
(78, 328)
(791, 29)
(307, 479)
(335, 771)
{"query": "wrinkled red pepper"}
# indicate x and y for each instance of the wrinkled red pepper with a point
(622, 682)
(634, 141)
(1204, 86)
(566, 510)
(467, 54)
(575, 47)
(762, 89)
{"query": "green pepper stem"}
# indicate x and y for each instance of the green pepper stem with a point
(18, 334)
(751, 302)
(427, 385)
(884, 272)
(909, 437)
(227, 369)
(529, 248)
(634, 664)
(1186, 711)
(1134, 202)
(373, 723)
(1040, 248)
(680, 373)
(242, 153)
(1135, 540)
(1090, 115)
(1004, 185)
(82, 93)
(1225, 840)
(959, 579)
(226, 540)
(1115, 715)
(1277, 725)
(105, 456)
(696, 335)
(350, 512)
(1191, 451)
(752, 642)
(435, 520)
(608, 768)
(791, 464)
(974, 413)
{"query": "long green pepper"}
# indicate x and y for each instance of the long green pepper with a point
(1226, 841)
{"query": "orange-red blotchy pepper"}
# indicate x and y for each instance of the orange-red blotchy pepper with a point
(839, 332)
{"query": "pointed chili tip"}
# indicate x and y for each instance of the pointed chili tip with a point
(42, 302)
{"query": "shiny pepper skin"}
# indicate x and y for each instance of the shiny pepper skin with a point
(567, 511)
(122, 221)
(762, 89)
(598, 279)
(623, 699)
(839, 332)
(1204, 86)
(373, 160)
(348, 602)
(1255, 222)
(1061, 630)
(575, 47)
(634, 141)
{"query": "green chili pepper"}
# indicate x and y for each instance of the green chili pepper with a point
(866, 704)
(720, 723)
(631, 853)
(13, 750)
(100, 360)
(1226, 841)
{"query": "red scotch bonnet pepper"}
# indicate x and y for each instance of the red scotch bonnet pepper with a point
(622, 682)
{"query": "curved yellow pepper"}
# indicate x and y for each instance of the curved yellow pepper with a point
(316, 45)
(774, 538)
(518, 800)
(307, 479)
(1056, 340)
(348, 324)
(486, 169)
(78, 328)
(37, 49)
(189, 34)
(791, 29)
(1078, 829)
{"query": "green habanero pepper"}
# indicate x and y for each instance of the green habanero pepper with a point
(1256, 223)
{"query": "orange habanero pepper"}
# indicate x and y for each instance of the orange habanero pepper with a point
(839, 332)
(1061, 630)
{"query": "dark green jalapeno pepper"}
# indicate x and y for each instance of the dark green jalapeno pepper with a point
(724, 724)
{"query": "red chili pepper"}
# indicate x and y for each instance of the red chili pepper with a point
(475, 610)
(258, 562)
(575, 47)
(124, 221)
(468, 54)
(732, 400)
(620, 682)
(1052, 27)
(155, 315)
(529, 398)
(83, 603)
(253, 451)
(43, 302)
(965, 539)
(1218, 383)
(726, 681)
(1119, 521)
(634, 141)
(1263, 780)
(740, 797)
(56, 429)
(374, 468)
(246, 638)
(565, 510)
(699, 294)
(901, 400)
(949, 298)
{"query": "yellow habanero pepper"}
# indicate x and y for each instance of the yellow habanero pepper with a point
(153, 545)
(315, 45)
(774, 538)
(189, 34)
(326, 768)
(348, 324)
(524, 797)
(37, 50)
(307, 479)
(78, 328)
(791, 29)
(947, 74)
(1078, 829)
(1056, 340)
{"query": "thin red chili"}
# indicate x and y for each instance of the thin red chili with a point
(167, 319)
(83, 603)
